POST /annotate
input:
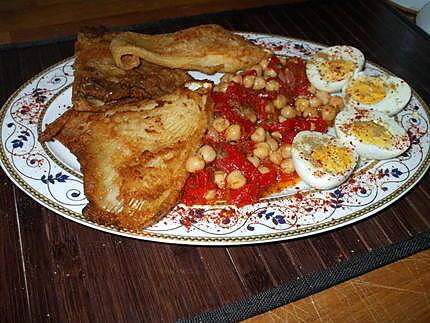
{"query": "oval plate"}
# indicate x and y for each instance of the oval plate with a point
(50, 174)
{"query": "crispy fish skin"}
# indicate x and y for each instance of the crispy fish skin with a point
(100, 85)
(206, 48)
(133, 162)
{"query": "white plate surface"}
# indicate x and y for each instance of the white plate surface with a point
(49, 173)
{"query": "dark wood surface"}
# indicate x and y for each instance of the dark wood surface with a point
(52, 269)
(28, 20)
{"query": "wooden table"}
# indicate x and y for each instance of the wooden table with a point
(53, 269)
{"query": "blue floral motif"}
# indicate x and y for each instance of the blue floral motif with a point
(336, 199)
(383, 173)
(16, 143)
(276, 219)
(261, 213)
(413, 138)
(396, 172)
(302, 49)
(59, 177)
(405, 154)
(38, 95)
(269, 215)
(199, 213)
(19, 142)
(279, 219)
(250, 227)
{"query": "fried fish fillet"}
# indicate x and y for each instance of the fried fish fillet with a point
(206, 48)
(100, 85)
(133, 162)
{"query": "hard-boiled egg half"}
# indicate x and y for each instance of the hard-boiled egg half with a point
(331, 68)
(385, 93)
(321, 160)
(373, 134)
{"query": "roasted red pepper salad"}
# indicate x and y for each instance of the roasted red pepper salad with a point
(247, 149)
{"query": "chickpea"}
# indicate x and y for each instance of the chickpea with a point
(220, 124)
(323, 96)
(282, 119)
(258, 69)
(328, 113)
(272, 85)
(261, 150)
(336, 102)
(288, 112)
(259, 83)
(213, 134)
(285, 151)
(313, 126)
(194, 164)
(264, 63)
(273, 144)
(259, 135)
(208, 153)
(287, 166)
(276, 157)
(263, 169)
(233, 133)
(277, 135)
(248, 81)
(226, 78)
(237, 79)
(269, 108)
(210, 195)
(250, 115)
(268, 73)
(315, 102)
(310, 112)
(235, 180)
(222, 87)
(219, 178)
(280, 101)
(254, 161)
(301, 104)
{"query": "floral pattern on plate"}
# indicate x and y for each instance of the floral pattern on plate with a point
(50, 174)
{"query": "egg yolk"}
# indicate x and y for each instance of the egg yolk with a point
(367, 90)
(336, 69)
(334, 159)
(370, 132)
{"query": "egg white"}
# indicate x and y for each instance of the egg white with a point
(346, 118)
(398, 94)
(313, 66)
(309, 172)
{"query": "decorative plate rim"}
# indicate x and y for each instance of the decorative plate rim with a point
(206, 240)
